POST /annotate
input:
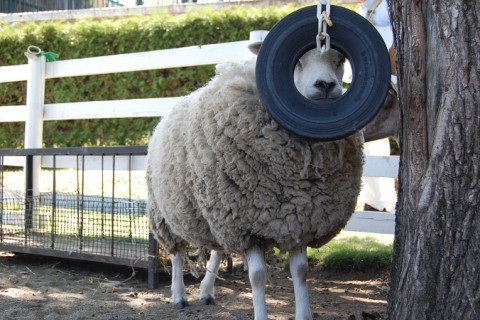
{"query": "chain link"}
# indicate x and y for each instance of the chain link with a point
(323, 16)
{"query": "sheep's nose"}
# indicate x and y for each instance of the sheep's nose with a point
(324, 85)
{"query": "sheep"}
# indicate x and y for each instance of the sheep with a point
(386, 122)
(222, 174)
(379, 193)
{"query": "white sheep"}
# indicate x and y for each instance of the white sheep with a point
(222, 174)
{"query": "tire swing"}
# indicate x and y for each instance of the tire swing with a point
(293, 36)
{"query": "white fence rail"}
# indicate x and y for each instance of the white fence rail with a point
(152, 60)
(375, 166)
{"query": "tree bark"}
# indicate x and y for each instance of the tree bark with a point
(436, 263)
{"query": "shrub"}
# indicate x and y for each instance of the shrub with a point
(88, 38)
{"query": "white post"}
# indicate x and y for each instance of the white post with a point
(35, 105)
(33, 134)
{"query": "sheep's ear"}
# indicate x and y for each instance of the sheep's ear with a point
(341, 59)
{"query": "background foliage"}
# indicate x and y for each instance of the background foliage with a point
(87, 38)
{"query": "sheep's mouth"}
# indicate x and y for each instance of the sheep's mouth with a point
(320, 96)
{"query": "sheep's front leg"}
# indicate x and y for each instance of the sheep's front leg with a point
(207, 286)
(257, 272)
(179, 296)
(299, 270)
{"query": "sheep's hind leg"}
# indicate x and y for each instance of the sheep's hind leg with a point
(179, 295)
(207, 286)
(299, 270)
(257, 272)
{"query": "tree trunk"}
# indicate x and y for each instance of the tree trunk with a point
(436, 263)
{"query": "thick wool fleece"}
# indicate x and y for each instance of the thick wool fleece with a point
(223, 174)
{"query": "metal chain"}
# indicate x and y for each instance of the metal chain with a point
(323, 16)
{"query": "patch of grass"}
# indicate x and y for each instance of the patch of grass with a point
(96, 224)
(70, 181)
(84, 223)
(10, 206)
(352, 254)
(348, 254)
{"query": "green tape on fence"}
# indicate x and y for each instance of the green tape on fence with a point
(49, 56)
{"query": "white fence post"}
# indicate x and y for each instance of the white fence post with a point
(34, 133)
(35, 105)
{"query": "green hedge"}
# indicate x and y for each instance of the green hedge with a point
(88, 38)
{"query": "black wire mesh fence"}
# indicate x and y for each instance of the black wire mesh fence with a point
(90, 204)
(20, 6)
(11, 6)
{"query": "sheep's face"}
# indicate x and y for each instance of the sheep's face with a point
(319, 75)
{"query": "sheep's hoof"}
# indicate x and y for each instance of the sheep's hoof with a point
(181, 304)
(208, 300)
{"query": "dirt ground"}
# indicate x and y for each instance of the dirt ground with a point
(33, 287)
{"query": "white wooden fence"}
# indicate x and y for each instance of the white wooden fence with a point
(35, 111)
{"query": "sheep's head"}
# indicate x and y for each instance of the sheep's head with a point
(318, 75)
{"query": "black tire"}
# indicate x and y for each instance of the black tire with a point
(293, 36)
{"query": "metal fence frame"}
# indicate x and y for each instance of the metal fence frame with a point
(149, 262)
(14, 6)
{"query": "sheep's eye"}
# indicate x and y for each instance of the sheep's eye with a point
(341, 61)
